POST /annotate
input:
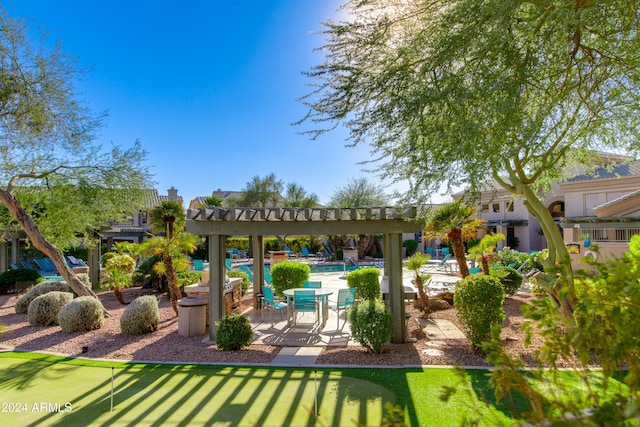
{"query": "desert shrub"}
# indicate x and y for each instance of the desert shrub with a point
(289, 274)
(85, 279)
(81, 315)
(411, 246)
(510, 278)
(536, 260)
(509, 256)
(234, 332)
(371, 324)
(40, 289)
(366, 281)
(478, 300)
(141, 316)
(9, 278)
(44, 309)
(244, 276)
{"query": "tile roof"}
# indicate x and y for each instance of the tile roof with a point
(616, 171)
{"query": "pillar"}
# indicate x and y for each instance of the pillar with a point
(257, 242)
(217, 255)
(4, 257)
(393, 269)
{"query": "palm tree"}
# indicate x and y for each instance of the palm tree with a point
(171, 254)
(415, 263)
(212, 201)
(297, 197)
(453, 222)
(168, 217)
(258, 192)
(359, 193)
(484, 247)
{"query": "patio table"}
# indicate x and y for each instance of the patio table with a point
(320, 293)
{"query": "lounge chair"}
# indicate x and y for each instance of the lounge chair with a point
(248, 271)
(289, 253)
(439, 266)
(198, 265)
(305, 252)
(43, 265)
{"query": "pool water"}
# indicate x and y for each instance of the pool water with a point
(330, 268)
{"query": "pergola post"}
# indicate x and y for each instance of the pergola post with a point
(4, 256)
(15, 248)
(393, 268)
(217, 254)
(258, 267)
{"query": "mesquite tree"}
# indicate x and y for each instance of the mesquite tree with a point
(56, 183)
(465, 92)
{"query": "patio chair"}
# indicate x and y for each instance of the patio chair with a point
(270, 302)
(304, 300)
(312, 285)
(229, 263)
(268, 278)
(431, 252)
(445, 251)
(475, 270)
(198, 264)
(346, 299)
(305, 252)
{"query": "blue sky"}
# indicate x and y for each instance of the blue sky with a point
(210, 88)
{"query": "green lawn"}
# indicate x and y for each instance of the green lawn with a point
(38, 389)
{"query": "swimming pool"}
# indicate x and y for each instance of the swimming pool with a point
(330, 267)
(335, 268)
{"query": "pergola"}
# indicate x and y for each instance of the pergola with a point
(219, 223)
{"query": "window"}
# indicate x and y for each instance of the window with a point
(590, 202)
(495, 207)
(509, 207)
(605, 234)
(485, 208)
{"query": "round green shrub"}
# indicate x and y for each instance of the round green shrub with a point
(80, 315)
(40, 289)
(289, 274)
(141, 316)
(478, 300)
(366, 281)
(510, 278)
(243, 275)
(234, 332)
(9, 278)
(44, 309)
(371, 324)
(411, 246)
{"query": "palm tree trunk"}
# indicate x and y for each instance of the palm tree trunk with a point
(485, 265)
(424, 296)
(172, 278)
(455, 236)
(118, 293)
